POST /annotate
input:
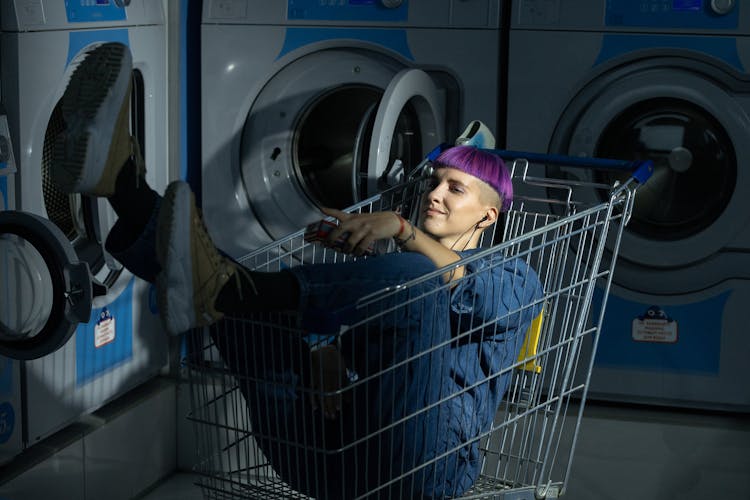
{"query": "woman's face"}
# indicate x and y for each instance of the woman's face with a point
(452, 207)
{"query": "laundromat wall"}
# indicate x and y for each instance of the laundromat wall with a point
(668, 406)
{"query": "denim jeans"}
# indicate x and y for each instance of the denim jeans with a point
(410, 410)
(391, 422)
(136, 250)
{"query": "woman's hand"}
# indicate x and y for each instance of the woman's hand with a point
(328, 376)
(363, 229)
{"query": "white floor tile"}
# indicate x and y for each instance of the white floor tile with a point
(179, 486)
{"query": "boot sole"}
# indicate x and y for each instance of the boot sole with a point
(90, 106)
(175, 281)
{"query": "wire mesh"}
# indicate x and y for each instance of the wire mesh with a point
(257, 391)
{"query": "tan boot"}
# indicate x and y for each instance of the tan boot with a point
(95, 143)
(193, 270)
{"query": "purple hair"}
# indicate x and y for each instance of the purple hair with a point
(485, 166)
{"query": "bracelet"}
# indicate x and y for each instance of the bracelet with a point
(401, 242)
(401, 229)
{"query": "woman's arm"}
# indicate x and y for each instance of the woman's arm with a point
(503, 293)
(364, 229)
(416, 240)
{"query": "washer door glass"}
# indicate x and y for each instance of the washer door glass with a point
(695, 166)
(45, 291)
(317, 138)
(328, 152)
(26, 302)
(375, 134)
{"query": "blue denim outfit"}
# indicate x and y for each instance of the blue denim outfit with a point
(136, 250)
(436, 390)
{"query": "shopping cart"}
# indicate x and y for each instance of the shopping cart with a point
(256, 390)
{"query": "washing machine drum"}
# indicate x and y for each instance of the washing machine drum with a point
(333, 138)
(693, 128)
(696, 166)
(325, 138)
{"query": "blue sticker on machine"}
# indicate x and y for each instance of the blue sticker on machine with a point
(7, 421)
(106, 341)
(77, 40)
(655, 326)
(683, 338)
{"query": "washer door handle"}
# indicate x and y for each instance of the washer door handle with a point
(77, 293)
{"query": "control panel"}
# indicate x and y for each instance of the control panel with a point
(88, 11)
(348, 10)
(700, 14)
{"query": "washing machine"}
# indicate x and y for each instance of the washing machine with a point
(306, 104)
(667, 80)
(10, 383)
(65, 293)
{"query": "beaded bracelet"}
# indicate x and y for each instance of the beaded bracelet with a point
(401, 242)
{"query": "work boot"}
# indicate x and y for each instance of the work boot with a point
(193, 271)
(96, 142)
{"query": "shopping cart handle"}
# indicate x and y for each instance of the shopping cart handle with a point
(641, 169)
(432, 155)
(425, 164)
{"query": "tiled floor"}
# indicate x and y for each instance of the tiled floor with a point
(626, 453)
(180, 486)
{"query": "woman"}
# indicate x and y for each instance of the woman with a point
(431, 373)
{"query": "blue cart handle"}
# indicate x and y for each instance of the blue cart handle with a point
(640, 170)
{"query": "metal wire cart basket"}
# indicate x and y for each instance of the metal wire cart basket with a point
(260, 383)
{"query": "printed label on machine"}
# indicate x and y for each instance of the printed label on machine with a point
(655, 326)
(104, 331)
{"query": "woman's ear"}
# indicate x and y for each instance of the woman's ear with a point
(489, 218)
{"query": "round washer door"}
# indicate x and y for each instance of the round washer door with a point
(414, 88)
(306, 142)
(687, 122)
(46, 291)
